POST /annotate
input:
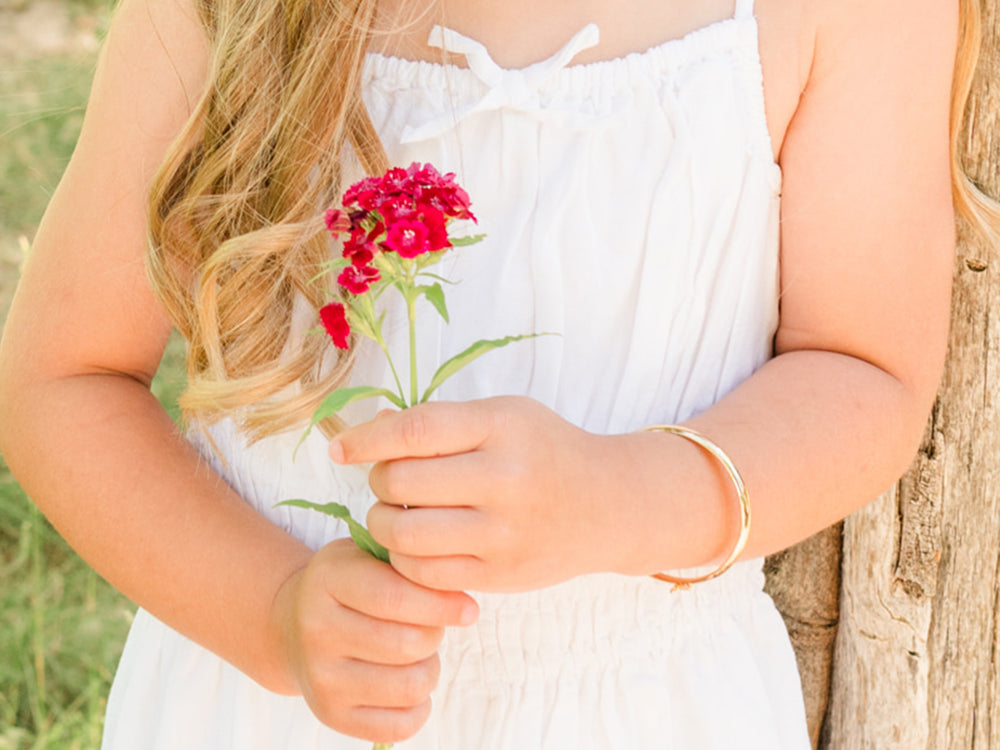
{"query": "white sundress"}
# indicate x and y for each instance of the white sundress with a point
(632, 207)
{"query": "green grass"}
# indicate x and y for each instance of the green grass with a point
(61, 632)
(42, 101)
(169, 382)
(61, 626)
(41, 109)
(88, 8)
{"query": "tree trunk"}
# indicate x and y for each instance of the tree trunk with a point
(804, 583)
(915, 664)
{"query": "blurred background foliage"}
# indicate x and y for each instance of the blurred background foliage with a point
(61, 626)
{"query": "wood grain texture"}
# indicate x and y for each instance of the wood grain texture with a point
(804, 583)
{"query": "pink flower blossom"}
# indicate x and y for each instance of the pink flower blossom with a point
(397, 180)
(337, 222)
(334, 319)
(437, 228)
(367, 187)
(357, 279)
(397, 207)
(405, 211)
(408, 238)
(452, 201)
(396, 194)
(359, 248)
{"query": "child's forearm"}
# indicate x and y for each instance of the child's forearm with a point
(503, 494)
(113, 474)
(816, 435)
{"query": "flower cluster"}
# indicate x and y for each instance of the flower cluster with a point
(393, 228)
(406, 211)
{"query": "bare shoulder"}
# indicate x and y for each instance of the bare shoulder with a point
(884, 45)
(802, 41)
(156, 57)
(787, 37)
(151, 74)
(919, 29)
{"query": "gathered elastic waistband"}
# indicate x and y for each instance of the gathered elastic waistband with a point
(598, 620)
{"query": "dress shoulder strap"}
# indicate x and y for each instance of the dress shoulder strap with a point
(744, 9)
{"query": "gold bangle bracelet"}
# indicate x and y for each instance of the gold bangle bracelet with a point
(741, 494)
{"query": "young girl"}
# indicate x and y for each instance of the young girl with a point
(626, 161)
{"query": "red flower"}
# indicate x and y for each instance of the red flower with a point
(357, 279)
(451, 200)
(359, 248)
(337, 222)
(428, 176)
(408, 238)
(396, 207)
(441, 191)
(367, 187)
(406, 211)
(437, 228)
(399, 181)
(334, 319)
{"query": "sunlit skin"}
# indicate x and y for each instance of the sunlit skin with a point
(503, 494)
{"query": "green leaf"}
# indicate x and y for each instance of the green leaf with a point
(466, 241)
(435, 295)
(360, 323)
(475, 351)
(361, 536)
(340, 398)
(330, 266)
(434, 276)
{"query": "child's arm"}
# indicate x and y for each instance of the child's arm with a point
(867, 245)
(97, 453)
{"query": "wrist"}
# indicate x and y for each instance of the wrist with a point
(671, 505)
(278, 673)
(741, 497)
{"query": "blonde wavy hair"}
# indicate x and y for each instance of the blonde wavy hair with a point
(980, 211)
(236, 229)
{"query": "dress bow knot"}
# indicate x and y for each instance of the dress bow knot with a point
(514, 89)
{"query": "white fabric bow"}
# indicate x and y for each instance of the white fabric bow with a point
(506, 88)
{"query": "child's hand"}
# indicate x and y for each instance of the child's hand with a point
(362, 641)
(489, 495)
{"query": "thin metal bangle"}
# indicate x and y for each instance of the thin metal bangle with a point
(741, 495)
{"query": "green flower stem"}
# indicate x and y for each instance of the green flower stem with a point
(365, 309)
(388, 358)
(411, 299)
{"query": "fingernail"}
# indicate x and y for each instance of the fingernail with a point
(337, 451)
